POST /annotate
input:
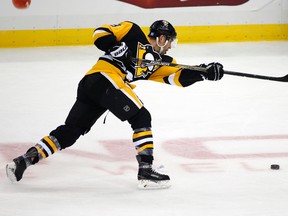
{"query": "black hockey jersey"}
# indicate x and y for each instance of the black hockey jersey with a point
(107, 36)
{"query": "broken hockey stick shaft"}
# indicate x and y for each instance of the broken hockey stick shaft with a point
(146, 63)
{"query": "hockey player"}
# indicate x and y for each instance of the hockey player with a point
(106, 86)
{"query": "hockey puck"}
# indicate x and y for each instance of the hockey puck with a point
(275, 167)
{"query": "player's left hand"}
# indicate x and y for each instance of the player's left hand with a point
(121, 52)
(214, 71)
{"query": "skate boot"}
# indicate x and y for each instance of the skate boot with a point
(15, 169)
(148, 177)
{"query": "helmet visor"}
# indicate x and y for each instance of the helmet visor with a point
(174, 42)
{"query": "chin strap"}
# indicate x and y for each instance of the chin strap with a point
(161, 47)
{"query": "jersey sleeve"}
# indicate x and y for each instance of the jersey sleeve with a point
(184, 78)
(107, 36)
(176, 76)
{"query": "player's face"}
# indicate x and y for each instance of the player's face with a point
(172, 42)
(166, 44)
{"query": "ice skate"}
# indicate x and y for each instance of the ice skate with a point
(15, 169)
(149, 178)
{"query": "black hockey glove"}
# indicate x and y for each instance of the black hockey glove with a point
(121, 53)
(214, 71)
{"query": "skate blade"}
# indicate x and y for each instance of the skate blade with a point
(150, 185)
(10, 171)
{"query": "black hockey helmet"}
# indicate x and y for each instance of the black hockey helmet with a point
(162, 27)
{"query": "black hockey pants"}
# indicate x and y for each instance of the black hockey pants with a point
(95, 95)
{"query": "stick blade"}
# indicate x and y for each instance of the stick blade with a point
(284, 79)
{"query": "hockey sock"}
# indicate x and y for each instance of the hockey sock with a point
(143, 141)
(46, 147)
(145, 161)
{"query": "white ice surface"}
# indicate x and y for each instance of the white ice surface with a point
(217, 140)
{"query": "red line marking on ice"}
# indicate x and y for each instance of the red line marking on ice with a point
(123, 151)
(194, 148)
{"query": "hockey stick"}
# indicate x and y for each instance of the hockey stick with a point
(146, 63)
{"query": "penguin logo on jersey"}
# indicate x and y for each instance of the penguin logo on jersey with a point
(146, 52)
